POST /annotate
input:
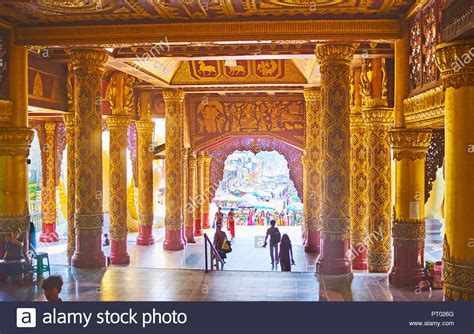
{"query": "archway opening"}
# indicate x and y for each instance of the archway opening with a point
(258, 188)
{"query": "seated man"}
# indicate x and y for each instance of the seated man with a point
(14, 251)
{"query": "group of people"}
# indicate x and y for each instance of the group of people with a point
(262, 218)
(281, 251)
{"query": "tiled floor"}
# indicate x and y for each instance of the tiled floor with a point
(159, 275)
(136, 284)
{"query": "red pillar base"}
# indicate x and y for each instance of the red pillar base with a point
(205, 221)
(333, 259)
(408, 266)
(173, 240)
(48, 233)
(145, 235)
(312, 242)
(118, 252)
(189, 232)
(88, 252)
(197, 228)
(359, 260)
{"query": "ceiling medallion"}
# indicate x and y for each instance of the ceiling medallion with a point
(72, 5)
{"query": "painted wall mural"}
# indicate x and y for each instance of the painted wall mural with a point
(215, 118)
(255, 145)
(242, 71)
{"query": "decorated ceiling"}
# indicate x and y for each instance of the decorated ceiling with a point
(43, 12)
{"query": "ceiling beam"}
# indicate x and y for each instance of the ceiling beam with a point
(136, 34)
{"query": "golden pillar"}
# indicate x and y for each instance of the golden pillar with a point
(359, 192)
(377, 117)
(457, 72)
(88, 66)
(118, 125)
(205, 190)
(48, 193)
(120, 95)
(145, 128)
(174, 169)
(409, 150)
(312, 170)
(190, 176)
(15, 140)
(334, 61)
(359, 177)
(70, 123)
(402, 76)
(197, 204)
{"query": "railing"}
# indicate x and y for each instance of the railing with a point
(210, 253)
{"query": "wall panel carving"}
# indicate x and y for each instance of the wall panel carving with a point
(215, 118)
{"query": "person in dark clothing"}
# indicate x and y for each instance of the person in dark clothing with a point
(32, 238)
(286, 253)
(106, 240)
(275, 236)
(219, 238)
(52, 287)
(14, 247)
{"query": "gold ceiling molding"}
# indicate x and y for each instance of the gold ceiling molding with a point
(425, 109)
(99, 35)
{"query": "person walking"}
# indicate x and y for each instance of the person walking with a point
(231, 223)
(286, 253)
(218, 218)
(275, 237)
(220, 237)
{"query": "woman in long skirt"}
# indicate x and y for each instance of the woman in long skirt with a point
(286, 253)
(231, 223)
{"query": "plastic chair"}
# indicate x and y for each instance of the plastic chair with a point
(42, 264)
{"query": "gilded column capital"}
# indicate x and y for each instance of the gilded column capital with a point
(69, 120)
(454, 61)
(88, 59)
(334, 53)
(357, 121)
(15, 141)
(50, 126)
(118, 122)
(120, 93)
(175, 95)
(312, 94)
(144, 126)
(378, 117)
(409, 144)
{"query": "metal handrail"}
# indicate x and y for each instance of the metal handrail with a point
(213, 254)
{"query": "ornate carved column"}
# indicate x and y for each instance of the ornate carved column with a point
(312, 170)
(121, 99)
(409, 150)
(48, 193)
(88, 66)
(359, 192)
(145, 127)
(377, 117)
(191, 198)
(359, 177)
(206, 192)
(174, 169)
(198, 195)
(70, 123)
(334, 61)
(457, 72)
(15, 140)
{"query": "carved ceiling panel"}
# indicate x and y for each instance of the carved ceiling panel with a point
(61, 11)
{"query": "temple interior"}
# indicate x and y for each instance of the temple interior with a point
(138, 119)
